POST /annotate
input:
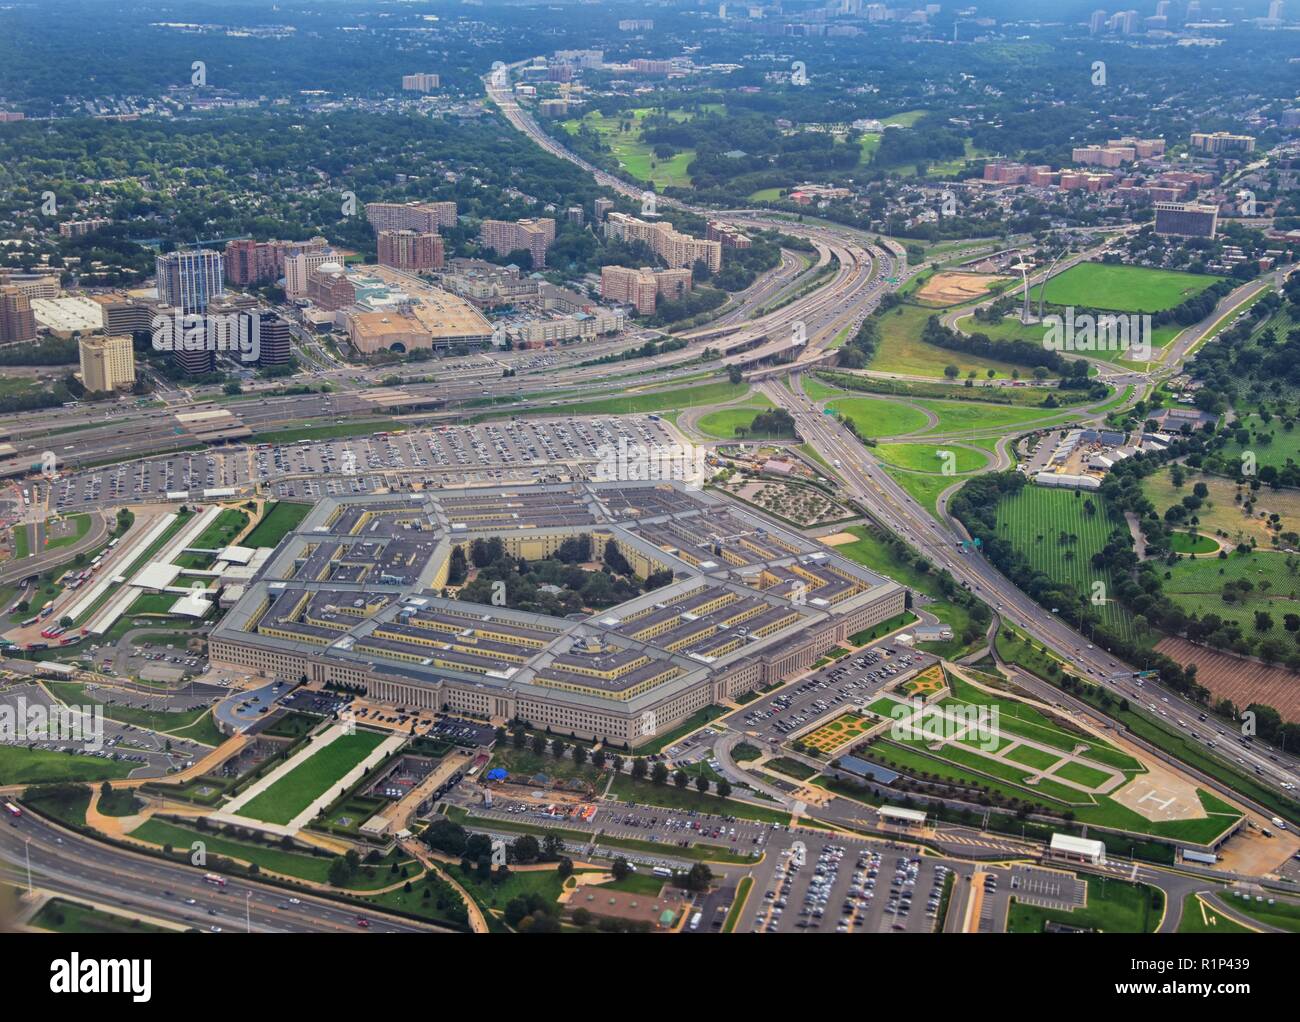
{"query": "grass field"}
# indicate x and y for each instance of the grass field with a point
(1197, 584)
(659, 401)
(622, 134)
(1011, 329)
(973, 416)
(1221, 512)
(58, 915)
(877, 417)
(80, 526)
(818, 391)
(1200, 916)
(1124, 288)
(1114, 906)
(1187, 543)
(723, 423)
(20, 765)
(1285, 915)
(1272, 443)
(1037, 519)
(311, 778)
(330, 432)
(277, 522)
(931, 457)
(901, 349)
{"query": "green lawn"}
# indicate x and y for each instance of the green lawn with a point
(901, 349)
(621, 133)
(723, 423)
(658, 401)
(1201, 917)
(1114, 906)
(277, 522)
(311, 778)
(81, 526)
(931, 457)
(329, 432)
(1058, 535)
(1285, 915)
(1124, 288)
(59, 915)
(19, 765)
(877, 417)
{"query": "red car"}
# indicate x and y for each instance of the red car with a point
(363, 922)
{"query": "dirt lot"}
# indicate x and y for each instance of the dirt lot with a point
(952, 288)
(1242, 681)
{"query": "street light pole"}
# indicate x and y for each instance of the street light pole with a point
(248, 921)
(27, 848)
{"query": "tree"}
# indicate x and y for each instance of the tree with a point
(525, 849)
(681, 779)
(724, 788)
(699, 878)
(701, 784)
(620, 868)
(951, 371)
(659, 775)
(340, 872)
(639, 769)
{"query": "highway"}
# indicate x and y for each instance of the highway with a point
(64, 862)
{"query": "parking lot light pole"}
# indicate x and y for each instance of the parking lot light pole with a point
(248, 919)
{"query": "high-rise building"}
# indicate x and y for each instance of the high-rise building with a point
(190, 279)
(107, 363)
(298, 267)
(1219, 142)
(17, 321)
(329, 288)
(601, 207)
(276, 339)
(669, 244)
(729, 235)
(410, 250)
(1097, 23)
(642, 288)
(411, 216)
(421, 82)
(506, 236)
(1187, 219)
(80, 228)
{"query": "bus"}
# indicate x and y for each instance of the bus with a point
(215, 879)
(30, 621)
(695, 920)
(662, 871)
(13, 810)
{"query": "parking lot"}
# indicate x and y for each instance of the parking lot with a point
(847, 885)
(850, 684)
(481, 453)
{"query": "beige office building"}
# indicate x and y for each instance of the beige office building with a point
(107, 363)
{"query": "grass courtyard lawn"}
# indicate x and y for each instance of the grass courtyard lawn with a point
(1124, 288)
(1201, 917)
(1080, 774)
(1059, 537)
(279, 520)
(724, 422)
(20, 765)
(833, 735)
(694, 722)
(223, 530)
(1027, 755)
(22, 541)
(877, 417)
(277, 860)
(59, 915)
(901, 349)
(1187, 543)
(493, 894)
(791, 768)
(931, 457)
(311, 778)
(526, 763)
(1114, 906)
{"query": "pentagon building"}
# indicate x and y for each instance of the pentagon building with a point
(354, 598)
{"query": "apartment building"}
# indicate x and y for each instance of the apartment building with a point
(1217, 143)
(669, 244)
(17, 320)
(505, 236)
(643, 287)
(425, 217)
(410, 250)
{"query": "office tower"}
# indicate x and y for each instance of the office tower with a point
(17, 321)
(107, 363)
